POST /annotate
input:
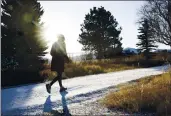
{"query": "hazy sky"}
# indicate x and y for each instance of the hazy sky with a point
(65, 17)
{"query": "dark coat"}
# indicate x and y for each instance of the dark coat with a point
(57, 63)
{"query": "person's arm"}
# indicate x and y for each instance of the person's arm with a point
(65, 53)
(52, 51)
(65, 49)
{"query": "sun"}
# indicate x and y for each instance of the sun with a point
(60, 23)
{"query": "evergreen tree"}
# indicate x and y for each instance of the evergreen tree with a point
(99, 32)
(146, 41)
(22, 42)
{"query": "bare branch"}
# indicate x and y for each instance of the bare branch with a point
(158, 14)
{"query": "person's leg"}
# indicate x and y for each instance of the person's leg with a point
(48, 86)
(54, 80)
(60, 82)
(60, 79)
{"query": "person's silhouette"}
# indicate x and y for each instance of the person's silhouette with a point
(59, 56)
(64, 104)
(47, 105)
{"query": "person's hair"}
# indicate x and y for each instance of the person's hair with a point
(60, 37)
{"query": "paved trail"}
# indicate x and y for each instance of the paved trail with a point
(34, 99)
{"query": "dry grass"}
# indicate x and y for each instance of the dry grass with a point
(149, 94)
(86, 68)
(89, 67)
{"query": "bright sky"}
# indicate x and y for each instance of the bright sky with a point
(65, 17)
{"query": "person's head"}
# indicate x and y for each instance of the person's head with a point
(60, 38)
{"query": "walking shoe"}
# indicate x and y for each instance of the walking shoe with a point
(63, 89)
(48, 88)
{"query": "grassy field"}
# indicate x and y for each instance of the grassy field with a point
(151, 94)
(86, 68)
(90, 67)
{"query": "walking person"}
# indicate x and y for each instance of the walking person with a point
(59, 56)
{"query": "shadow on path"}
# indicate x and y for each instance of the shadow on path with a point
(48, 106)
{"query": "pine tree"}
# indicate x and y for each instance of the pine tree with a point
(100, 32)
(22, 42)
(146, 41)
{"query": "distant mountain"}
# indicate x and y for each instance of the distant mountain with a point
(136, 51)
(133, 50)
(159, 50)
